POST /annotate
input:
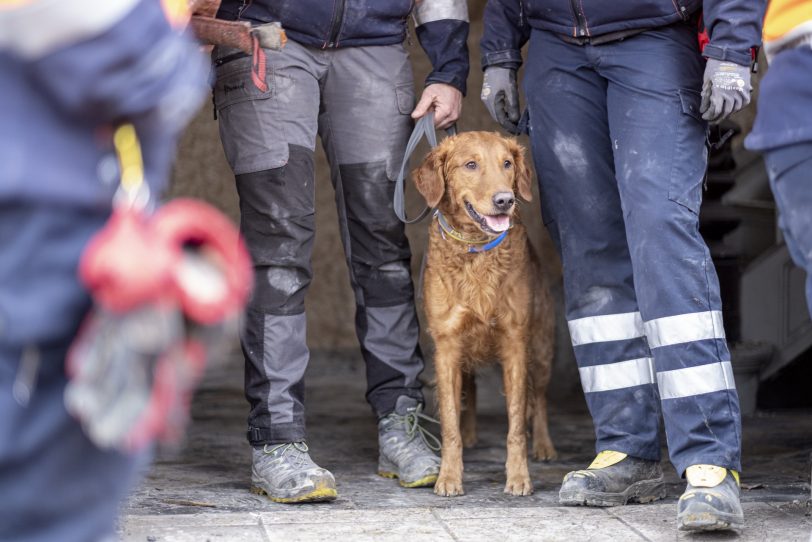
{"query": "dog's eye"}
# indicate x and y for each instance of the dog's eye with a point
(508, 164)
(470, 165)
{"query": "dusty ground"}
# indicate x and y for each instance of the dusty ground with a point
(201, 492)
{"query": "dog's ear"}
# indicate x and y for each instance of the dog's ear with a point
(521, 172)
(430, 179)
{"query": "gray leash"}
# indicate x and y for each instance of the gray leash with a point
(423, 127)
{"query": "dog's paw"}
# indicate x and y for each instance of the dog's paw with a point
(520, 486)
(469, 440)
(544, 451)
(448, 486)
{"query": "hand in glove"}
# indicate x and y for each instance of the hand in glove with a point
(500, 94)
(726, 89)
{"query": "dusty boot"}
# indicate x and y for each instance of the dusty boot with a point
(285, 473)
(406, 447)
(613, 479)
(711, 500)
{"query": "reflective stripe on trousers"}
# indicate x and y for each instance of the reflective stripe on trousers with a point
(620, 156)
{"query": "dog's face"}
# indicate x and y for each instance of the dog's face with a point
(474, 178)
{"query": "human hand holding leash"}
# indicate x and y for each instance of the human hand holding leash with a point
(726, 89)
(446, 102)
(500, 94)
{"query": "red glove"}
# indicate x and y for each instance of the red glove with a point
(136, 259)
(168, 289)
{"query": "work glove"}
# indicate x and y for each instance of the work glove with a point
(500, 94)
(168, 288)
(726, 89)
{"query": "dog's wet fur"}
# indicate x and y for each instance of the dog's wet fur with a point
(486, 306)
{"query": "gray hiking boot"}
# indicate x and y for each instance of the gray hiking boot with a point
(285, 473)
(406, 447)
(613, 479)
(711, 500)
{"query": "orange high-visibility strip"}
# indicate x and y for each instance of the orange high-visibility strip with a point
(177, 12)
(785, 15)
(11, 4)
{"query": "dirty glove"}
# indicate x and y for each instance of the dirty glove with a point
(500, 94)
(726, 89)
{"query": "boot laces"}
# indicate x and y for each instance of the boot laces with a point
(412, 420)
(298, 452)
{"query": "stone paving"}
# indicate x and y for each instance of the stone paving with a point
(200, 491)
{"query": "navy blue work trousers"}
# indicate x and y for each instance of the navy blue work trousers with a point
(790, 172)
(619, 147)
(54, 483)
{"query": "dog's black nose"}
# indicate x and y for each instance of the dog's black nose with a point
(503, 201)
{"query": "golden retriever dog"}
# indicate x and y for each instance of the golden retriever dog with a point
(485, 299)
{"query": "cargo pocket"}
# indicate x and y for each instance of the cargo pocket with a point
(405, 98)
(252, 141)
(690, 153)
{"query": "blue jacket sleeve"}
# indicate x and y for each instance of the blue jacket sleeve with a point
(442, 30)
(734, 27)
(506, 31)
(139, 70)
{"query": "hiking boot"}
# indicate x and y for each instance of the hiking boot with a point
(711, 500)
(406, 447)
(613, 479)
(285, 473)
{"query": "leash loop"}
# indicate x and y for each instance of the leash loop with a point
(424, 127)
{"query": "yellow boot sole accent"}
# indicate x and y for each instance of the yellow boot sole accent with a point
(426, 481)
(320, 494)
(607, 458)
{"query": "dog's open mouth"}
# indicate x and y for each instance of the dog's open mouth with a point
(495, 224)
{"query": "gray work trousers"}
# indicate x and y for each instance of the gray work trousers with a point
(358, 101)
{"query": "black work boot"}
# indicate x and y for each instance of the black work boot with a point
(613, 479)
(711, 500)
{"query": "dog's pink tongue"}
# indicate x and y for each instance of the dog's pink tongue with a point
(497, 222)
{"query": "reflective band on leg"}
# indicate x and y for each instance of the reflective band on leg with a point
(684, 328)
(437, 10)
(609, 327)
(696, 380)
(615, 376)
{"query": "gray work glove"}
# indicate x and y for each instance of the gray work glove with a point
(500, 94)
(726, 89)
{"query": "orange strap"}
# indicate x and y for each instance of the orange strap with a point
(258, 69)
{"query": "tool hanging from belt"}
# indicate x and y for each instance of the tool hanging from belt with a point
(237, 34)
(424, 127)
(168, 287)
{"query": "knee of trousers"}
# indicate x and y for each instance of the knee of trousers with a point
(662, 224)
(385, 284)
(277, 221)
(378, 246)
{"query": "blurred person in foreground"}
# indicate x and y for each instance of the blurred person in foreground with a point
(71, 73)
(783, 127)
